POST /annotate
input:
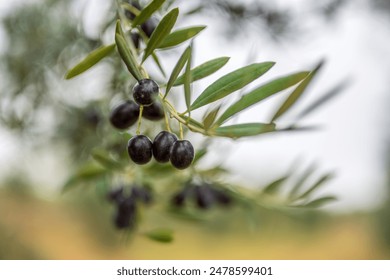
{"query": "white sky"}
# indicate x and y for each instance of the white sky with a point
(352, 141)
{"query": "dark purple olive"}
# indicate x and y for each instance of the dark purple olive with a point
(182, 154)
(149, 26)
(145, 92)
(141, 193)
(204, 197)
(154, 112)
(126, 214)
(115, 195)
(135, 38)
(139, 148)
(124, 115)
(162, 145)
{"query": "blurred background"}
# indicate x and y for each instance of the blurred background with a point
(49, 125)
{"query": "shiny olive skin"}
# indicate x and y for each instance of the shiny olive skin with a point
(154, 112)
(139, 149)
(182, 154)
(162, 145)
(145, 92)
(124, 115)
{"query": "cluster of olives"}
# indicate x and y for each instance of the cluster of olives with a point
(165, 147)
(126, 205)
(204, 195)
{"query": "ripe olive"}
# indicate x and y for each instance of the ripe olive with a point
(145, 92)
(204, 197)
(124, 115)
(139, 148)
(126, 213)
(182, 154)
(149, 26)
(153, 112)
(135, 38)
(115, 195)
(162, 145)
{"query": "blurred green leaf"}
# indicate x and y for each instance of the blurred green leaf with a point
(160, 235)
(90, 60)
(302, 179)
(85, 173)
(243, 130)
(179, 36)
(126, 54)
(261, 93)
(104, 158)
(161, 32)
(319, 202)
(147, 12)
(274, 187)
(204, 70)
(231, 82)
(199, 154)
(209, 119)
(297, 93)
(325, 178)
(324, 99)
(177, 69)
(187, 81)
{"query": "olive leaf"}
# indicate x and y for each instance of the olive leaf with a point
(301, 181)
(146, 12)
(275, 186)
(261, 93)
(244, 130)
(161, 32)
(193, 122)
(204, 70)
(103, 157)
(179, 36)
(126, 54)
(85, 173)
(90, 60)
(160, 235)
(159, 66)
(209, 119)
(297, 93)
(177, 69)
(187, 81)
(231, 82)
(319, 202)
(316, 185)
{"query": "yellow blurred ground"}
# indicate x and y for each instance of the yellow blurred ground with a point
(31, 228)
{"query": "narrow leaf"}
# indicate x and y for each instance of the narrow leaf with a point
(199, 154)
(187, 82)
(260, 94)
(243, 130)
(204, 70)
(324, 99)
(84, 174)
(274, 186)
(90, 60)
(146, 12)
(231, 82)
(210, 118)
(160, 235)
(126, 54)
(177, 69)
(319, 202)
(193, 122)
(179, 36)
(157, 61)
(105, 160)
(302, 179)
(318, 184)
(161, 32)
(297, 93)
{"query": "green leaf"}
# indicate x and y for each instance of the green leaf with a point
(157, 61)
(199, 154)
(260, 94)
(302, 179)
(105, 160)
(319, 202)
(90, 60)
(85, 173)
(160, 235)
(179, 36)
(210, 118)
(146, 12)
(204, 70)
(177, 69)
(126, 54)
(231, 82)
(297, 93)
(187, 81)
(243, 130)
(274, 186)
(315, 186)
(193, 122)
(161, 32)
(324, 99)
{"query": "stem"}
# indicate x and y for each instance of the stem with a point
(141, 109)
(181, 131)
(166, 120)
